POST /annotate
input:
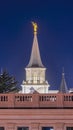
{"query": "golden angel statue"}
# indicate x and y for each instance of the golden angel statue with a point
(35, 26)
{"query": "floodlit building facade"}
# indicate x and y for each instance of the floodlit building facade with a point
(35, 70)
(36, 107)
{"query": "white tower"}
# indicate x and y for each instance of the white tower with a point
(35, 70)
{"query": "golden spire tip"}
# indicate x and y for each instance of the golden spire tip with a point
(34, 27)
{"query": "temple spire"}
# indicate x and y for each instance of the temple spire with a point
(35, 58)
(63, 86)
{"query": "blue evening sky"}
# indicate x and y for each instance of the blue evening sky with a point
(55, 37)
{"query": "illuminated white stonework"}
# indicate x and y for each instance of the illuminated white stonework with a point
(35, 81)
(35, 71)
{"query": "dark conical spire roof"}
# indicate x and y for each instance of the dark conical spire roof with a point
(63, 86)
(35, 58)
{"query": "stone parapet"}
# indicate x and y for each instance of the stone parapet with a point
(36, 100)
